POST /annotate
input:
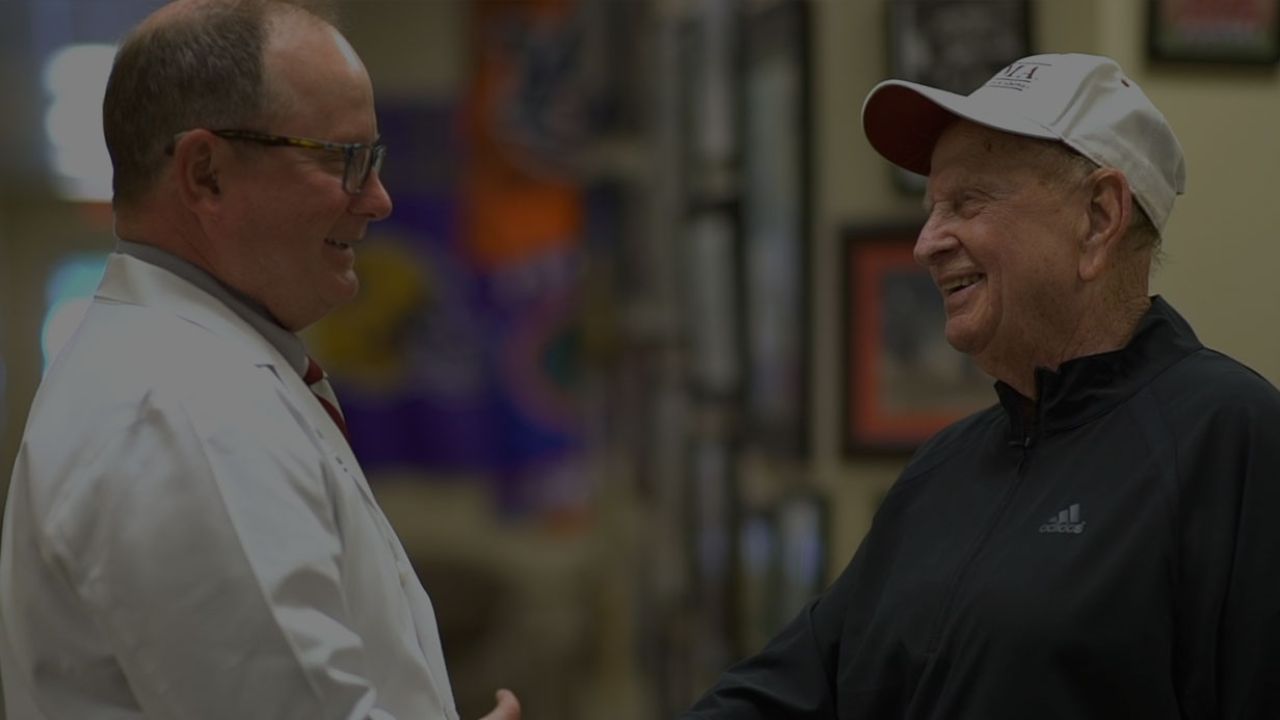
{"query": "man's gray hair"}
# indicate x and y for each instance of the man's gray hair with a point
(1066, 167)
(203, 69)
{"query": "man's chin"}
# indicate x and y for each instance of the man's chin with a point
(336, 297)
(962, 338)
(346, 289)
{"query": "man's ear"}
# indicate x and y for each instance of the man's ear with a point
(198, 157)
(1110, 210)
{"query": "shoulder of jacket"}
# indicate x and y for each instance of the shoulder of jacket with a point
(959, 437)
(1208, 382)
(129, 363)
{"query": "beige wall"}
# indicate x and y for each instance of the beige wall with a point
(412, 49)
(1221, 243)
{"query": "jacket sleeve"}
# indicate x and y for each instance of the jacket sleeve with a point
(204, 542)
(1250, 660)
(792, 677)
(1229, 598)
(804, 672)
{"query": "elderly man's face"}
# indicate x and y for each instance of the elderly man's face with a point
(1001, 245)
(289, 240)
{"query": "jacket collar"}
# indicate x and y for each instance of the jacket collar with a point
(1087, 387)
(132, 281)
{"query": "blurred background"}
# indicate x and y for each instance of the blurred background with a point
(642, 346)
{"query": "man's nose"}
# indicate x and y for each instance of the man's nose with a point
(936, 238)
(373, 202)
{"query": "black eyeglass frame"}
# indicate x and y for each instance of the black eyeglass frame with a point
(350, 151)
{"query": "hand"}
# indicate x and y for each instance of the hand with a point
(508, 707)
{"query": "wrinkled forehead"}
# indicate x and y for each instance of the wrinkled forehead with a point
(965, 150)
(972, 156)
(971, 144)
(969, 147)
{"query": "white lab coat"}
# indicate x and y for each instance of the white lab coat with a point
(189, 536)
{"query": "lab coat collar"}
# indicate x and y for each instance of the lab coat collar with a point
(133, 281)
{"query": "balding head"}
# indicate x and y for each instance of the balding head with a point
(192, 63)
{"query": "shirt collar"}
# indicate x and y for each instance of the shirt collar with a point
(285, 342)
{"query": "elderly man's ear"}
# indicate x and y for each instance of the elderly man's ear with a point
(197, 157)
(1110, 209)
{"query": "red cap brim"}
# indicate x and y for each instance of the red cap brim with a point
(903, 125)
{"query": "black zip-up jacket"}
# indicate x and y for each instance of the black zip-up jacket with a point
(1112, 551)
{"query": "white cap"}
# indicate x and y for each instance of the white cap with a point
(1084, 101)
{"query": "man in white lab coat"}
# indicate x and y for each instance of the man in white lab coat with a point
(188, 534)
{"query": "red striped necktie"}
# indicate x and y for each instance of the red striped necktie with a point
(318, 380)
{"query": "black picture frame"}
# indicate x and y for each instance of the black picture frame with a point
(776, 220)
(954, 45)
(1242, 32)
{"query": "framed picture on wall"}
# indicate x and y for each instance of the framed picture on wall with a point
(955, 45)
(1239, 31)
(775, 223)
(903, 382)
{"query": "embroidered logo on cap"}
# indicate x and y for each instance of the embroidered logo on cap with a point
(1017, 76)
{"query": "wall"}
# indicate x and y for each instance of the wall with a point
(412, 50)
(1221, 249)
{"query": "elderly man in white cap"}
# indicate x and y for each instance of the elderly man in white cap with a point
(1102, 541)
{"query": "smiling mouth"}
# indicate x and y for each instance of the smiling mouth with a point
(335, 243)
(955, 285)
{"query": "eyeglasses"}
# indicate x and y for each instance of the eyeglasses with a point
(361, 160)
